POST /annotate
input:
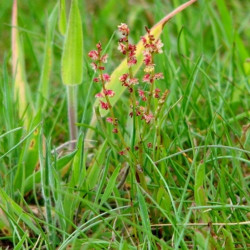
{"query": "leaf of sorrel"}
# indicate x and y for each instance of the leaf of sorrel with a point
(72, 58)
(21, 89)
(114, 84)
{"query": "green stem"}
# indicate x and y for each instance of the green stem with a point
(72, 113)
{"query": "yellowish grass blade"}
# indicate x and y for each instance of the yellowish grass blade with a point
(21, 90)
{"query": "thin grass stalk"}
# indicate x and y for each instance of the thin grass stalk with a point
(72, 114)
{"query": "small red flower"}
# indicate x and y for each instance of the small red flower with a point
(122, 48)
(101, 68)
(158, 46)
(144, 40)
(142, 95)
(109, 120)
(148, 118)
(93, 54)
(104, 105)
(132, 61)
(106, 77)
(99, 46)
(121, 153)
(104, 58)
(96, 79)
(157, 92)
(109, 92)
(149, 145)
(146, 78)
(123, 28)
(123, 78)
(133, 81)
(99, 95)
(115, 130)
(158, 76)
(147, 58)
(94, 66)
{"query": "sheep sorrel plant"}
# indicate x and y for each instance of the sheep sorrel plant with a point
(146, 102)
(138, 142)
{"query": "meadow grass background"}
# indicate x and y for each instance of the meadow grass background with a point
(201, 196)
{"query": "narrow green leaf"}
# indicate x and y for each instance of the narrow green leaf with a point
(72, 58)
(94, 170)
(110, 185)
(20, 243)
(47, 60)
(144, 213)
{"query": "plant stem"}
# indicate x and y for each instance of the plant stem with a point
(72, 113)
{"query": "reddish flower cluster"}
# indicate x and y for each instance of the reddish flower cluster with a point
(128, 82)
(142, 95)
(125, 47)
(141, 112)
(151, 47)
(97, 64)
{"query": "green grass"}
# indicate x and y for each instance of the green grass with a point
(197, 193)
